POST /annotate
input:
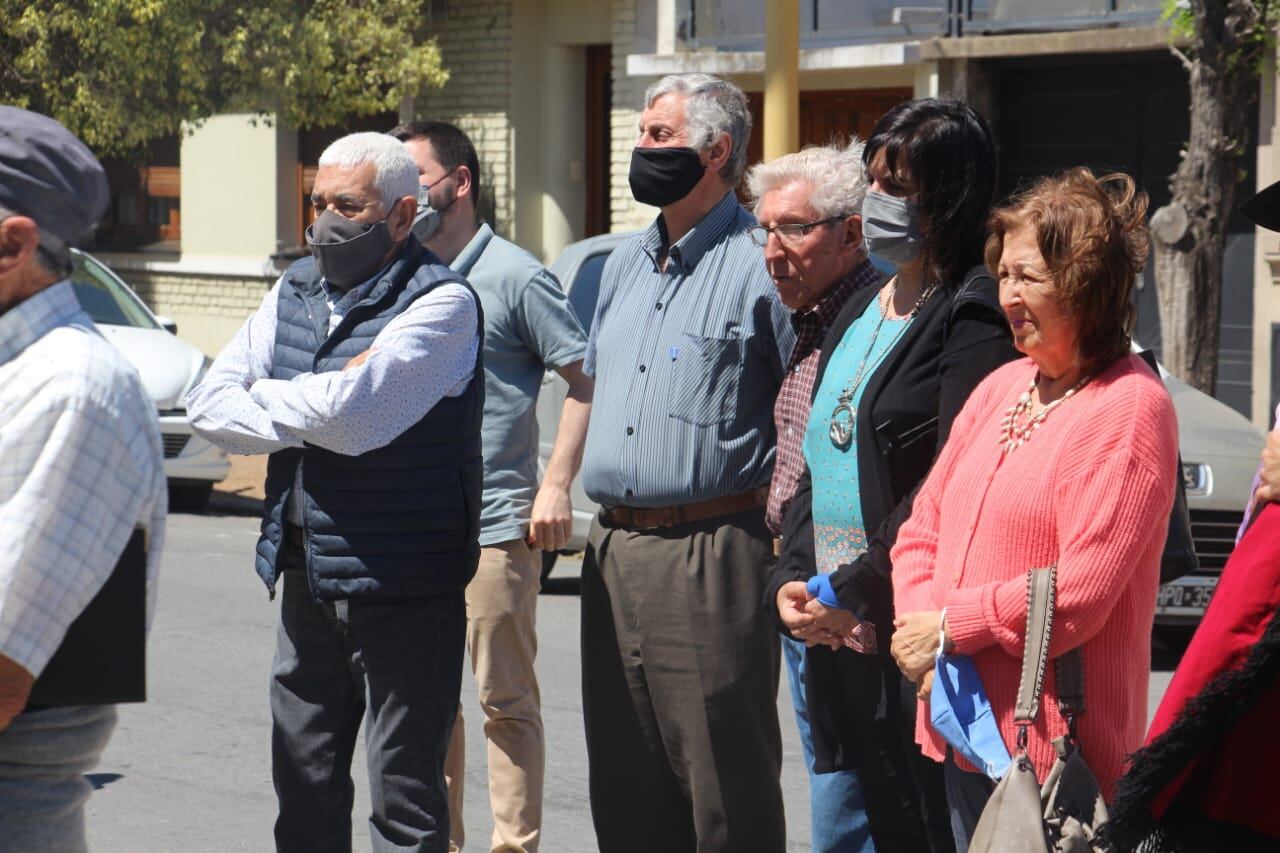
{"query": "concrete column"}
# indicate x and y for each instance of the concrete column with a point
(781, 78)
(562, 132)
(231, 197)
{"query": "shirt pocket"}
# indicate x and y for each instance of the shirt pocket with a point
(704, 381)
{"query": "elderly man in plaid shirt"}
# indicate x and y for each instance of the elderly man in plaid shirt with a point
(807, 205)
(80, 468)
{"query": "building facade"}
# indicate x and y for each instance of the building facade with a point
(551, 92)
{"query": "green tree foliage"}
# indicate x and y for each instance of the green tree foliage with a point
(120, 73)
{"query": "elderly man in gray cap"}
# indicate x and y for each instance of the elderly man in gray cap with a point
(80, 468)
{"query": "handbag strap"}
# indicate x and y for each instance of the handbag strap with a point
(1068, 668)
(1041, 587)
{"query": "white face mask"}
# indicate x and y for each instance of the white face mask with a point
(891, 229)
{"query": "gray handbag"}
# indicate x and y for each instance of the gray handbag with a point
(1067, 812)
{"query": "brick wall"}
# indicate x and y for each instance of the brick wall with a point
(628, 101)
(475, 45)
(183, 293)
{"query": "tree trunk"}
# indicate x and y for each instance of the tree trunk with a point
(1189, 236)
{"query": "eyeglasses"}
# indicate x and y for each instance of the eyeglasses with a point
(790, 233)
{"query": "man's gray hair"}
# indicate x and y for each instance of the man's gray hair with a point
(834, 173)
(714, 106)
(395, 173)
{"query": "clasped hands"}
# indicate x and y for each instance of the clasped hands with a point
(811, 621)
(915, 639)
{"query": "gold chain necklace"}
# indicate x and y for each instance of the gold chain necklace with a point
(1013, 436)
(843, 417)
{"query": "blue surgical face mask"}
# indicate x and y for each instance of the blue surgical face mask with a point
(882, 266)
(960, 711)
(891, 230)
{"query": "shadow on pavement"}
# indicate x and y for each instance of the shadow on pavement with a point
(222, 504)
(562, 586)
(101, 780)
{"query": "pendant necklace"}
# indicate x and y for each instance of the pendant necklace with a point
(843, 417)
(1013, 436)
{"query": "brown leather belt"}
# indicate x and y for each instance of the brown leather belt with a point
(637, 518)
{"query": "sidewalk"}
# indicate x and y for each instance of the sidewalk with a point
(241, 493)
(246, 478)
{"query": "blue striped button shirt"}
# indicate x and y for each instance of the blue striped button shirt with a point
(687, 364)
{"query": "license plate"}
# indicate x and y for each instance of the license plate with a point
(1185, 596)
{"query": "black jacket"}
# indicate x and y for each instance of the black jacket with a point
(903, 419)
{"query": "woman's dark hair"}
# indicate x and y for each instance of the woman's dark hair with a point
(948, 149)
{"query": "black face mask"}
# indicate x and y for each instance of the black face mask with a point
(348, 252)
(663, 176)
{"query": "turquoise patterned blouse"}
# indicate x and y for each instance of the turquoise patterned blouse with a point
(838, 532)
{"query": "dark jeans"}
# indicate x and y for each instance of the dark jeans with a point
(967, 795)
(400, 660)
(680, 685)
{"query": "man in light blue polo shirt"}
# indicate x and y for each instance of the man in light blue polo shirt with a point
(529, 328)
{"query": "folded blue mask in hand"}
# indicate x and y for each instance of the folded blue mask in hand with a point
(819, 587)
(960, 711)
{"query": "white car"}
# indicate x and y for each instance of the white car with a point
(169, 368)
(1220, 453)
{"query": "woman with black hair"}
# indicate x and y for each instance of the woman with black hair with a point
(896, 368)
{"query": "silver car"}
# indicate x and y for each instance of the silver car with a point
(578, 268)
(169, 368)
(1220, 455)
(1220, 451)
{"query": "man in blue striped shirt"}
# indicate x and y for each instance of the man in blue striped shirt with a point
(680, 666)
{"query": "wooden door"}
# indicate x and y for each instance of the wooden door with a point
(828, 114)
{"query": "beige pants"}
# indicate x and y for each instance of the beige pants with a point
(502, 641)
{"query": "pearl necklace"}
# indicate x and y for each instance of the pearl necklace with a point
(1013, 436)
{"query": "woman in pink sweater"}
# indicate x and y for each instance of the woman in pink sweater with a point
(1068, 456)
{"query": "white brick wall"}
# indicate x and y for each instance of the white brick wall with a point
(475, 45)
(628, 101)
(213, 296)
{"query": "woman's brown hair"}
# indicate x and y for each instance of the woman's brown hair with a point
(1092, 232)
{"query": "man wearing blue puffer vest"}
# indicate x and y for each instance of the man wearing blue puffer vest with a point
(361, 375)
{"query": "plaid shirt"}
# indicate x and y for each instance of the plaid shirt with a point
(791, 411)
(80, 466)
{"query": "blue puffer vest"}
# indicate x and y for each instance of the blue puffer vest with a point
(400, 521)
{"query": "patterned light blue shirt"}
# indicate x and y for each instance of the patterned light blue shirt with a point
(421, 356)
(687, 363)
(80, 466)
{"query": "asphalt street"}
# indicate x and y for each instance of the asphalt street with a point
(190, 769)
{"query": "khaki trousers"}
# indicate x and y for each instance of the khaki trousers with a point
(502, 642)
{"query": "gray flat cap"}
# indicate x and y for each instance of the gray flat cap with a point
(49, 175)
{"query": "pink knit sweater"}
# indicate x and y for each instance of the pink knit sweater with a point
(1090, 490)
